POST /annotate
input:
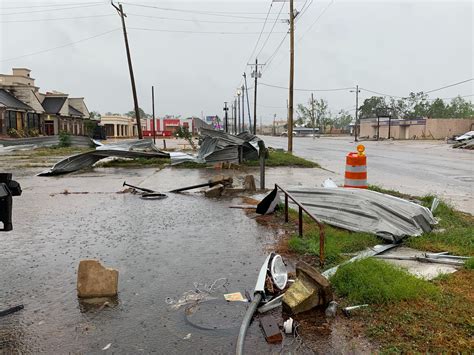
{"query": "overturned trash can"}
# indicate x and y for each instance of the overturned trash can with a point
(8, 189)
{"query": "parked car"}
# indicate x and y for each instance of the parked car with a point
(465, 136)
(285, 134)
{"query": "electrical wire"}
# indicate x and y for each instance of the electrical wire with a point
(315, 90)
(261, 32)
(52, 5)
(273, 55)
(448, 86)
(51, 10)
(271, 30)
(316, 20)
(193, 32)
(209, 13)
(56, 19)
(194, 21)
(61, 46)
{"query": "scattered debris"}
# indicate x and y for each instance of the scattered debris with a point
(153, 196)
(269, 203)
(376, 249)
(274, 303)
(288, 326)
(131, 149)
(465, 144)
(329, 184)
(107, 346)
(223, 180)
(234, 297)
(188, 336)
(138, 188)
(360, 210)
(42, 142)
(434, 204)
(465, 136)
(11, 310)
(95, 280)
(214, 191)
(249, 183)
(271, 330)
(310, 289)
(331, 310)
(348, 310)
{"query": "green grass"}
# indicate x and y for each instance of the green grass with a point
(133, 163)
(469, 264)
(280, 158)
(54, 151)
(190, 165)
(377, 282)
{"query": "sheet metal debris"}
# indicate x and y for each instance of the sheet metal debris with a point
(359, 210)
(218, 146)
(129, 149)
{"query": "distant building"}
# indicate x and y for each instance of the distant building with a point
(119, 126)
(25, 109)
(166, 127)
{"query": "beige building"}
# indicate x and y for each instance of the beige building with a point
(423, 128)
(119, 126)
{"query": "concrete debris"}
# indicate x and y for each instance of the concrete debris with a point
(214, 191)
(288, 325)
(331, 310)
(130, 149)
(95, 280)
(310, 289)
(218, 146)
(249, 183)
(360, 210)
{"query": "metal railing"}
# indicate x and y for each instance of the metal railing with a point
(302, 209)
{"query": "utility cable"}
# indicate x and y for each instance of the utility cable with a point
(192, 20)
(271, 30)
(193, 32)
(448, 86)
(52, 5)
(260, 35)
(315, 90)
(316, 20)
(62, 46)
(56, 19)
(51, 10)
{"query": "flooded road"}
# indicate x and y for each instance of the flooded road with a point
(162, 249)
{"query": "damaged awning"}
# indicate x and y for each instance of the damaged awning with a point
(129, 149)
(360, 210)
(218, 146)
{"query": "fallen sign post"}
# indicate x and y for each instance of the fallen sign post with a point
(138, 188)
(211, 183)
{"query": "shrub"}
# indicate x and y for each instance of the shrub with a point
(33, 132)
(64, 139)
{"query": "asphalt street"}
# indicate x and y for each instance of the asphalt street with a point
(414, 167)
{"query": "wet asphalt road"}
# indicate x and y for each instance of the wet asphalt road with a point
(413, 167)
(161, 248)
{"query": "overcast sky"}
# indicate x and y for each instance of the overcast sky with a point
(390, 47)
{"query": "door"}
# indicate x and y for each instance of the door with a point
(49, 128)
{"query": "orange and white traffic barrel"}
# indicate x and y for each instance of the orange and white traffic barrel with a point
(356, 169)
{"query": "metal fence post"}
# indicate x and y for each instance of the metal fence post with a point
(300, 222)
(286, 208)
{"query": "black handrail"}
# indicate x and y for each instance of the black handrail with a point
(301, 208)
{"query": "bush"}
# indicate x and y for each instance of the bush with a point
(375, 281)
(64, 139)
(33, 132)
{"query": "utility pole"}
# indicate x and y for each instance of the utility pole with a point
(153, 113)
(235, 116)
(238, 109)
(274, 128)
(130, 69)
(312, 116)
(243, 109)
(226, 117)
(256, 75)
(261, 125)
(248, 101)
(357, 91)
(292, 73)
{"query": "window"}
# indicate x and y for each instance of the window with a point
(11, 119)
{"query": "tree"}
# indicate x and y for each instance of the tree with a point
(373, 106)
(322, 116)
(143, 114)
(94, 115)
(342, 120)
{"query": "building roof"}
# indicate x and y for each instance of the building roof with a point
(74, 112)
(10, 101)
(53, 104)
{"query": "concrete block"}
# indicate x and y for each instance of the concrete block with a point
(221, 179)
(310, 289)
(249, 183)
(95, 280)
(214, 191)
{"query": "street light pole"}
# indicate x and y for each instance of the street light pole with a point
(226, 117)
(243, 109)
(153, 112)
(238, 111)
(357, 91)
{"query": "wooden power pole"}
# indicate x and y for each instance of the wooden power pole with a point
(292, 73)
(130, 69)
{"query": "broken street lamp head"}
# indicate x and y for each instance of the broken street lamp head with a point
(273, 269)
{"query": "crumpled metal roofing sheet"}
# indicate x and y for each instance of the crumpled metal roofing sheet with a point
(360, 210)
(129, 149)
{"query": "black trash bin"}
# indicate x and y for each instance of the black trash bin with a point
(8, 189)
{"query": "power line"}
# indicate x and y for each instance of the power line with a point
(381, 93)
(195, 21)
(261, 32)
(209, 13)
(193, 32)
(322, 90)
(51, 5)
(61, 46)
(271, 30)
(56, 19)
(51, 10)
(316, 20)
(448, 86)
